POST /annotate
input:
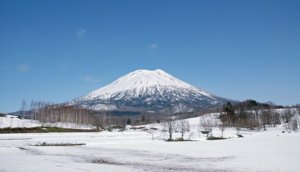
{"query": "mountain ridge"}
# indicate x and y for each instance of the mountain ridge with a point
(149, 90)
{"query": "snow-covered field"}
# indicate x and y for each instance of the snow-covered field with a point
(14, 122)
(133, 150)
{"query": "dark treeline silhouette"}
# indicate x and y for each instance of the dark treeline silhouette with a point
(254, 115)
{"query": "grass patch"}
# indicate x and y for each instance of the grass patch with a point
(108, 162)
(179, 140)
(115, 127)
(42, 130)
(58, 144)
(240, 136)
(216, 138)
(153, 128)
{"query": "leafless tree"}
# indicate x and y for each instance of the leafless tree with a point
(251, 120)
(222, 128)
(287, 117)
(257, 118)
(294, 124)
(32, 109)
(164, 129)
(275, 118)
(265, 119)
(170, 127)
(199, 129)
(23, 108)
(298, 115)
(152, 131)
(52, 113)
(206, 124)
(183, 126)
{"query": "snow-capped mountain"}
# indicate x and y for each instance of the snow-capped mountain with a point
(148, 90)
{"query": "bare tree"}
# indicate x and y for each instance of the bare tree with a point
(275, 118)
(298, 115)
(103, 120)
(32, 109)
(287, 117)
(265, 119)
(171, 127)
(23, 108)
(222, 128)
(152, 131)
(294, 125)
(184, 126)
(164, 129)
(251, 120)
(206, 124)
(199, 129)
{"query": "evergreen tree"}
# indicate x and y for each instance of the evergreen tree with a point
(229, 116)
(128, 121)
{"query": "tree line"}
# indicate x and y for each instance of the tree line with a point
(46, 112)
(248, 114)
(253, 115)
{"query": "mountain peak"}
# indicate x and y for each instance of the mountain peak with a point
(148, 72)
(141, 81)
(145, 88)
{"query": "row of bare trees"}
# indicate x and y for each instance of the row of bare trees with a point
(249, 115)
(255, 117)
(171, 125)
(46, 112)
(258, 119)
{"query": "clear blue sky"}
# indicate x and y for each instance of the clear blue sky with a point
(57, 50)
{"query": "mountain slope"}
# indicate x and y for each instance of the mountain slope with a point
(151, 91)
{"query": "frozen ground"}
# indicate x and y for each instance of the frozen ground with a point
(136, 151)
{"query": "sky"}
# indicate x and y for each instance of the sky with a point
(58, 50)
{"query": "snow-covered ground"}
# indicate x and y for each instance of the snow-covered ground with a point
(11, 121)
(134, 150)
(14, 122)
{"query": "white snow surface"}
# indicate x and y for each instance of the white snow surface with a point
(11, 121)
(141, 82)
(133, 150)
